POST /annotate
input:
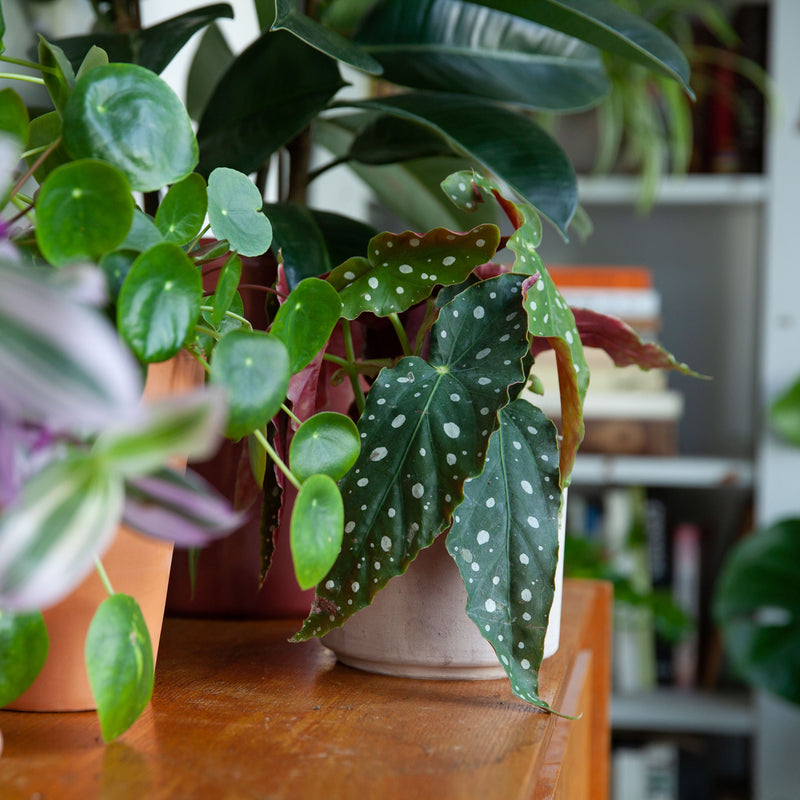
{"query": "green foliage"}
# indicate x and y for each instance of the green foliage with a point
(327, 443)
(234, 211)
(23, 651)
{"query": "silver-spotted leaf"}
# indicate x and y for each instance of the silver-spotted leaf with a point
(401, 269)
(326, 443)
(316, 529)
(504, 540)
(424, 431)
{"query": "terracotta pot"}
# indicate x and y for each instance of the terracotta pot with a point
(417, 627)
(136, 565)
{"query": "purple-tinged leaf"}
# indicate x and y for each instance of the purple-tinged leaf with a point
(24, 450)
(401, 269)
(504, 540)
(180, 508)
(62, 363)
(65, 516)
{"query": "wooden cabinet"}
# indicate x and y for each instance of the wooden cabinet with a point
(240, 712)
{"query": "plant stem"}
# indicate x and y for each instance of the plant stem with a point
(291, 414)
(200, 360)
(209, 331)
(232, 315)
(21, 62)
(262, 440)
(401, 334)
(350, 353)
(299, 150)
(431, 314)
(325, 167)
(12, 76)
(101, 571)
(36, 164)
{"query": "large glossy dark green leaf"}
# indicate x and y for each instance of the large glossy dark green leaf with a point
(119, 661)
(757, 605)
(386, 140)
(607, 26)
(159, 302)
(23, 651)
(212, 58)
(126, 115)
(507, 144)
(425, 430)
(343, 236)
(261, 102)
(505, 541)
(455, 46)
(83, 211)
(401, 270)
(326, 40)
(153, 47)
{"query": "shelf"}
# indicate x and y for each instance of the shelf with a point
(679, 711)
(676, 190)
(692, 472)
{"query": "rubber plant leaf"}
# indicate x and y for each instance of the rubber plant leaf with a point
(154, 47)
(159, 302)
(126, 115)
(400, 270)
(450, 45)
(234, 212)
(83, 211)
(119, 662)
(23, 650)
(181, 508)
(608, 27)
(322, 38)
(181, 213)
(306, 319)
(548, 314)
(212, 57)
(316, 529)
(387, 140)
(50, 534)
(62, 361)
(259, 105)
(505, 143)
(757, 607)
(425, 430)
(326, 443)
(253, 367)
(504, 540)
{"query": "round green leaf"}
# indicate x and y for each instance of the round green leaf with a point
(254, 369)
(84, 210)
(757, 605)
(126, 115)
(316, 530)
(23, 651)
(119, 660)
(159, 302)
(116, 267)
(14, 116)
(326, 443)
(234, 211)
(306, 320)
(181, 214)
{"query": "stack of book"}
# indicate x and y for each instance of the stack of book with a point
(627, 410)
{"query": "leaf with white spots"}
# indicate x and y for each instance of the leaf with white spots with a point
(504, 540)
(401, 269)
(424, 431)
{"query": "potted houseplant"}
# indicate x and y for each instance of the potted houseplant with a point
(432, 337)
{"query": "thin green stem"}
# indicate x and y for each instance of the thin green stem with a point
(350, 353)
(401, 334)
(315, 173)
(21, 62)
(12, 76)
(232, 315)
(101, 571)
(209, 331)
(262, 440)
(206, 366)
(36, 164)
(291, 414)
(34, 151)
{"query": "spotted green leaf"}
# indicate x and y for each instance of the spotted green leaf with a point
(504, 540)
(305, 321)
(119, 661)
(159, 149)
(254, 369)
(234, 211)
(401, 269)
(181, 213)
(83, 210)
(328, 443)
(159, 302)
(424, 431)
(23, 651)
(316, 529)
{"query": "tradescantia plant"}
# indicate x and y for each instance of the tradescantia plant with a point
(429, 337)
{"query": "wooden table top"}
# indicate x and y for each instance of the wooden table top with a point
(239, 712)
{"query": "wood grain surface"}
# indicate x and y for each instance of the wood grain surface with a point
(239, 712)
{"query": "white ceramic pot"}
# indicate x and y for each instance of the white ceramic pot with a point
(417, 625)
